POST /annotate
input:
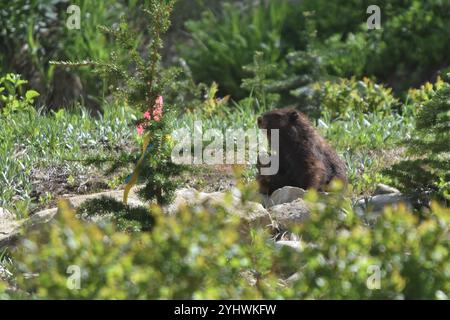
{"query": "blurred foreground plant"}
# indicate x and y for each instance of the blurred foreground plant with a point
(201, 252)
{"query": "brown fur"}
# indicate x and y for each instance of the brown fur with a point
(306, 159)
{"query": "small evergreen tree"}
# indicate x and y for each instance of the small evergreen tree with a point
(261, 83)
(272, 85)
(430, 145)
(139, 82)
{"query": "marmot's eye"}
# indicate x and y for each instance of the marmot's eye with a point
(293, 116)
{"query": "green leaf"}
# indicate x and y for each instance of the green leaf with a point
(30, 95)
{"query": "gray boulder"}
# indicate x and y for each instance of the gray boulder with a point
(284, 195)
(252, 212)
(6, 215)
(290, 214)
(385, 189)
(375, 205)
(11, 228)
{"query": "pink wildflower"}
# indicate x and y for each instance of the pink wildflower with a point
(147, 115)
(158, 111)
(157, 114)
(140, 128)
(159, 102)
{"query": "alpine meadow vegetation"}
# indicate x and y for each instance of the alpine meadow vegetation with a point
(91, 114)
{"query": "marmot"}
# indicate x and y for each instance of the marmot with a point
(306, 160)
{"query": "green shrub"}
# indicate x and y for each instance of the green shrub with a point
(261, 84)
(429, 167)
(126, 218)
(195, 254)
(335, 32)
(223, 44)
(418, 97)
(343, 38)
(139, 82)
(33, 33)
(343, 58)
(271, 87)
(340, 16)
(421, 25)
(348, 95)
(411, 255)
(13, 97)
(202, 252)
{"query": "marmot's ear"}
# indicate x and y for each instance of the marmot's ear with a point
(293, 116)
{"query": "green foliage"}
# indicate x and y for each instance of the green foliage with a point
(429, 169)
(271, 86)
(25, 27)
(34, 32)
(140, 78)
(335, 32)
(191, 255)
(412, 255)
(279, 53)
(212, 105)
(199, 253)
(417, 97)
(140, 82)
(126, 218)
(33, 143)
(224, 43)
(346, 96)
(13, 97)
(349, 49)
(367, 142)
(261, 84)
(422, 25)
(347, 58)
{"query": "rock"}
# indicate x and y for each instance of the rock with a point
(46, 216)
(292, 279)
(236, 192)
(296, 245)
(253, 213)
(250, 276)
(6, 215)
(182, 197)
(10, 228)
(376, 204)
(385, 189)
(289, 214)
(43, 216)
(133, 199)
(284, 195)
(291, 275)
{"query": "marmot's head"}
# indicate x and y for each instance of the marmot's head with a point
(279, 119)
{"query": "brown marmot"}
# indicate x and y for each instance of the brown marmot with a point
(306, 160)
